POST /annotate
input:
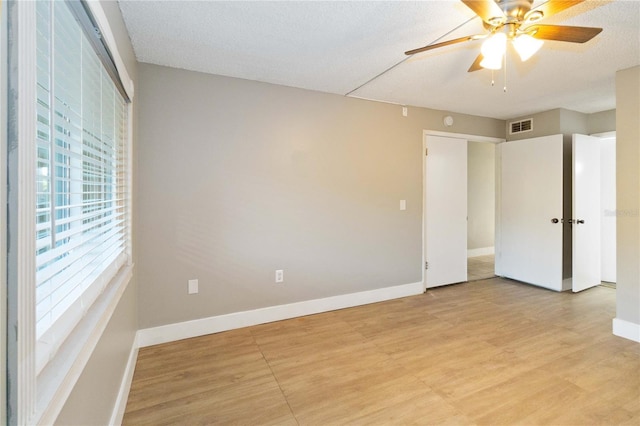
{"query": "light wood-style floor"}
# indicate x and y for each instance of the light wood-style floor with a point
(480, 267)
(487, 352)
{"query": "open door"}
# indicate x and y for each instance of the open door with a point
(608, 207)
(586, 221)
(445, 211)
(531, 225)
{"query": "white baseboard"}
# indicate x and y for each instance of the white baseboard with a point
(482, 251)
(216, 324)
(626, 329)
(123, 393)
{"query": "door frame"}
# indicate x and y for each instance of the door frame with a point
(468, 137)
(607, 136)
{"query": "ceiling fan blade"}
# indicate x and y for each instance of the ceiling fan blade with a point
(476, 64)
(442, 44)
(486, 9)
(563, 33)
(554, 6)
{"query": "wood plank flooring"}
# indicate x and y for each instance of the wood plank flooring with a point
(480, 267)
(488, 352)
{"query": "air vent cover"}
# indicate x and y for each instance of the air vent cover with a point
(521, 126)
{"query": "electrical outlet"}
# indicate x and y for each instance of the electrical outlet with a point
(279, 275)
(193, 287)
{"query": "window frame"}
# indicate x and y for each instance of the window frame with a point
(3, 202)
(39, 398)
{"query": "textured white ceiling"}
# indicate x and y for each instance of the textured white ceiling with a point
(338, 46)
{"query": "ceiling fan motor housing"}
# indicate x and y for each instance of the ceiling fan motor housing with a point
(514, 10)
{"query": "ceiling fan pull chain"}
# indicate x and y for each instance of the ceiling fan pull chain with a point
(493, 81)
(505, 72)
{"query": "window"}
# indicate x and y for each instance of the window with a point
(80, 176)
(68, 180)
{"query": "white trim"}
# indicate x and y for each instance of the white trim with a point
(626, 329)
(482, 251)
(21, 228)
(201, 327)
(105, 29)
(71, 359)
(3, 202)
(423, 260)
(39, 400)
(470, 138)
(125, 385)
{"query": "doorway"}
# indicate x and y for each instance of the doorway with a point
(481, 208)
(445, 197)
(550, 207)
(608, 207)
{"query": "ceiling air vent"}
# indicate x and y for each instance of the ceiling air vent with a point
(521, 126)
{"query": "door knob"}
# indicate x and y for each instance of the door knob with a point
(579, 221)
(555, 220)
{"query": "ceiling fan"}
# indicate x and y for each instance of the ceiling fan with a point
(516, 21)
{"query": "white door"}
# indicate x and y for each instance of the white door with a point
(608, 208)
(531, 211)
(445, 211)
(586, 213)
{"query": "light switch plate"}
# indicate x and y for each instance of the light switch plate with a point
(193, 286)
(403, 204)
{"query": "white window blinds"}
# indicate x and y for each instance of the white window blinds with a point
(81, 177)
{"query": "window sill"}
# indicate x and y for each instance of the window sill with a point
(56, 381)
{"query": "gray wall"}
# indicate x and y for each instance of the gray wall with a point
(566, 122)
(544, 124)
(240, 178)
(92, 400)
(600, 122)
(481, 181)
(628, 194)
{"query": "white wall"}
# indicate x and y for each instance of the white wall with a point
(481, 179)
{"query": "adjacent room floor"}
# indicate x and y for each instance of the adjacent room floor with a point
(480, 267)
(485, 352)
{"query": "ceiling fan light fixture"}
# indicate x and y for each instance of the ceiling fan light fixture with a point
(526, 46)
(495, 45)
(491, 62)
(492, 50)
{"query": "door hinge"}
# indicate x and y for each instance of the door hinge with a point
(426, 151)
(426, 265)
